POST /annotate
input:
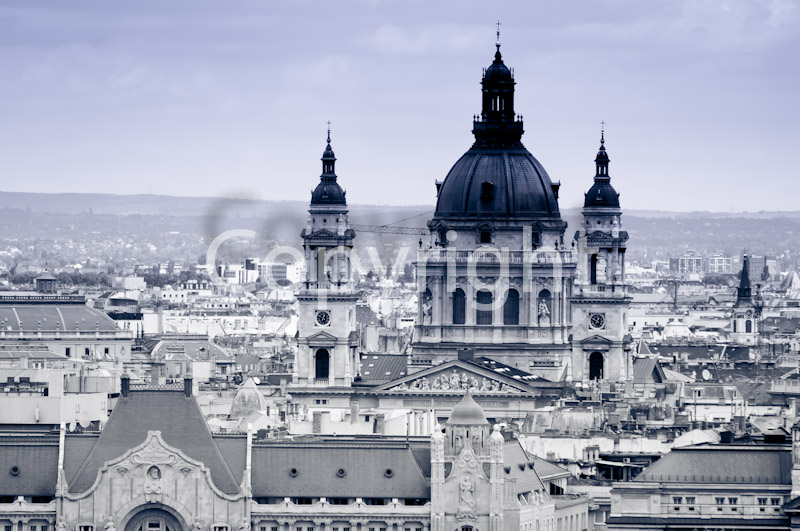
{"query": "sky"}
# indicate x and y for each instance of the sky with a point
(212, 98)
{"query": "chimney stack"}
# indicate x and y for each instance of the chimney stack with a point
(187, 385)
(125, 384)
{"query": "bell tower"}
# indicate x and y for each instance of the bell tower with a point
(744, 319)
(326, 330)
(600, 302)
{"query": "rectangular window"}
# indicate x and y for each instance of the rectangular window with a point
(762, 501)
(776, 501)
(733, 502)
(720, 503)
(274, 529)
(67, 351)
(85, 528)
(690, 501)
(43, 528)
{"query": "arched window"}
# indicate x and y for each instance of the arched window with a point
(459, 307)
(596, 363)
(483, 312)
(734, 326)
(322, 361)
(748, 327)
(593, 269)
(511, 308)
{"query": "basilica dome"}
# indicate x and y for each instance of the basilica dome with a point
(497, 177)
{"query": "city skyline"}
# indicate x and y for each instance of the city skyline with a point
(203, 100)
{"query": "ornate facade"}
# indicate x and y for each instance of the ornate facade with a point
(497, 277)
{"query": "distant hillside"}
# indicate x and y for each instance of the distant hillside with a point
(166, 205)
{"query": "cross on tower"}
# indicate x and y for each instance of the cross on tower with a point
(498, 34)
(329, 131)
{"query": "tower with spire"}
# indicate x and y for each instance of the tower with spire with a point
(326, 330)
(600, 301)
(744, 319)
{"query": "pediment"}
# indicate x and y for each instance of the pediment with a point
(455, 377)
(599, 236)
(322, 338)
(322, 234)
(596, 340)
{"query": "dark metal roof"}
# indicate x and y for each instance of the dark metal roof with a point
(763, 465)
(490, 182)
(345, 470)
(28, 466)
(381, 368)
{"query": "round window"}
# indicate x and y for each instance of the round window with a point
(597, 320)
(293, 472)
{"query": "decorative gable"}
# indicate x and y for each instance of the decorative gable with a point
(453, 379)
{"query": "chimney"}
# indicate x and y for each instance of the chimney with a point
(187, 385)
(125, 384)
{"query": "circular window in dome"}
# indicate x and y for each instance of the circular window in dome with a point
(388, 472)
(341, 472)
(15, 470)
(293, 472)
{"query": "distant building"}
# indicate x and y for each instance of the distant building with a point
(687, 264)
(719, 264)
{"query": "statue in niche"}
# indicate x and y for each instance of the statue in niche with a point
(543, 313)
(427, 310)
(152, 487)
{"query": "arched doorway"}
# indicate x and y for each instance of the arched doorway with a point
(322, 361)
(596, 363)
(153, 520)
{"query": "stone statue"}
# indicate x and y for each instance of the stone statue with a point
(425, 384)
(455, 381)
(110, 525)
(60, 525)
(466, 498)
(244, 524)
(427, 312)
(544, 313)
(197, 525)
(486, 385)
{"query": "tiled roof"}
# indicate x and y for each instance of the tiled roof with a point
(507, 370)
(522, 467)
(36, 459)
(363, 472)
(713, 464)
(181, 424)
(380, 368)
(647, 370)
(548, 470)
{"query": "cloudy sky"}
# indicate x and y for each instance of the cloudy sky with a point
(201, 97)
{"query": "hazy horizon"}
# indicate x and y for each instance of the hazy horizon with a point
(198, 98)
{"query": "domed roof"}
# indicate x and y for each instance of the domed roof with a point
(328, 191)
(601, 194)
(248, 400)
(467, 413)
(497, 182)
(497, 177)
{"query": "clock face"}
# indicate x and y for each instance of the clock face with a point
(749, 313)
(323, 317)
(597, 320)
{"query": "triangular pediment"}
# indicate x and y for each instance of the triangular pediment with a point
(596, 340)
(323, 234)
(455, 377)
(599, 236)
(322, 337)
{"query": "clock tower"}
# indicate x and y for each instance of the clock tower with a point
(326, 330)
(600, 301)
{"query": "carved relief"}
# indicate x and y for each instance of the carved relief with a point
(455, 381)
(466, 498)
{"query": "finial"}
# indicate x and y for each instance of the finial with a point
(602, 132)
(498, 36)
(329, 132)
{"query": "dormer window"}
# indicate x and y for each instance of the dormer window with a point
(487, 191)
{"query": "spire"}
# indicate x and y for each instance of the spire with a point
(744, 292)
(601, 160)
(497, 55)
(328, 160)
